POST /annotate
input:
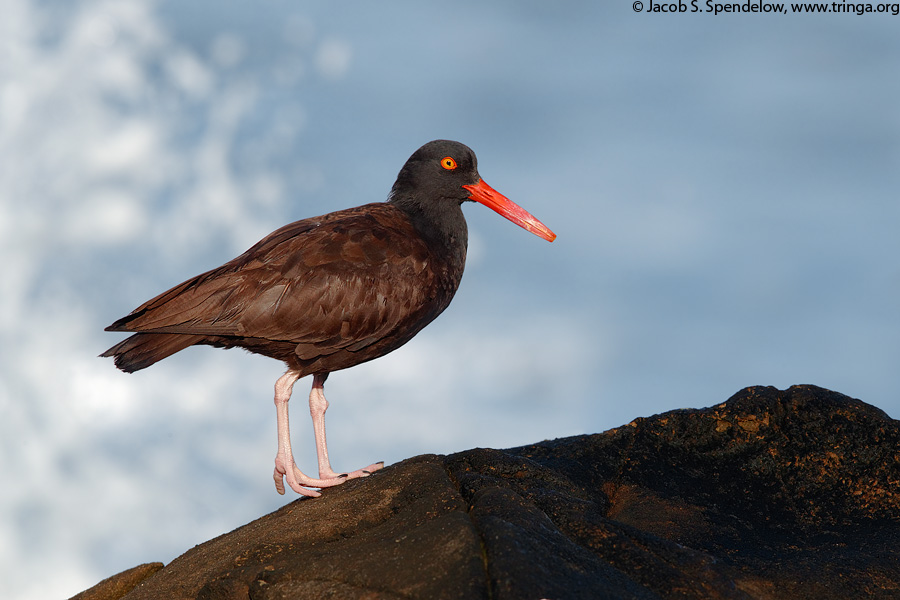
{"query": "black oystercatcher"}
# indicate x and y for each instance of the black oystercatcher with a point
(330, 292)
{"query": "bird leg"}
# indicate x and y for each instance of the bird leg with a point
(317, 407)
(284, 460)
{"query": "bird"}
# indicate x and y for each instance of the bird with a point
(329, 292)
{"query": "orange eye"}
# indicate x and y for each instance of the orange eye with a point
(448, 163)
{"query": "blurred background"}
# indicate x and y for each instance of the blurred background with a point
(724, 188)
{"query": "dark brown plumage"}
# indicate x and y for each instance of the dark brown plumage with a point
(330, 292)
(313, 294)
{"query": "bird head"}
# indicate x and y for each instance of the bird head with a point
(445, 170)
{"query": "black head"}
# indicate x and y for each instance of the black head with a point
(443, 174)
(437, 171)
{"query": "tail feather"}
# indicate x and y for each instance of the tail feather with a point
(143, 349)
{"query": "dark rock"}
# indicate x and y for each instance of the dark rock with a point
(773, 494)
(115, 587)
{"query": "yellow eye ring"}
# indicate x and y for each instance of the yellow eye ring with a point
(448, 163)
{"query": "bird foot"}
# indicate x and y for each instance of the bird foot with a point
(298, 481)
(364, 472)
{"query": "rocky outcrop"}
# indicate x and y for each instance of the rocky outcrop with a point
(772, 494)
(120, 584)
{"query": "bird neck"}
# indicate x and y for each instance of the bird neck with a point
(441, 223)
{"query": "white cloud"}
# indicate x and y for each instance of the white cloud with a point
(111, 122)
(189, 73)
(130, 146)
(332, 58)
(107, 216)
(227, 50)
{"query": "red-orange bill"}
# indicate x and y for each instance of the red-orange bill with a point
(503, 206)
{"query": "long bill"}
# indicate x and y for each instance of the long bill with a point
(482, 193)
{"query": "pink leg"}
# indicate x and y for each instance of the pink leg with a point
(284, 460)
(317, 407)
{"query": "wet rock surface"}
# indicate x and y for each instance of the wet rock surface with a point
(772, 494)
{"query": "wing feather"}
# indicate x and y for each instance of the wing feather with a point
(343, 281)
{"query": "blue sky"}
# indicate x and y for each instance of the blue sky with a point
(724, 189)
